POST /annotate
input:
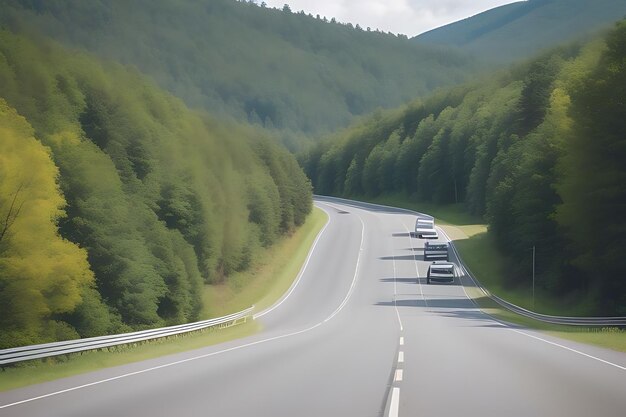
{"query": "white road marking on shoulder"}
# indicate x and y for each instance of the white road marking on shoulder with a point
(167, 365)
(356, 274)
(299, 277)
(568, 348)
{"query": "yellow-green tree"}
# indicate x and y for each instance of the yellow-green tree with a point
(41, 274)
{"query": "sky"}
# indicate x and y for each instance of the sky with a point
(409, 17)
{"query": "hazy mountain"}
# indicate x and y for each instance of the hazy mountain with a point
(277, 68)
(521, 29)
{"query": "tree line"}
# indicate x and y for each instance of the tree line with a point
(538, 150)
(293, 74)
(118, 203)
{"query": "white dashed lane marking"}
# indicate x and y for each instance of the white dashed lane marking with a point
(399, 375)
(395, 403)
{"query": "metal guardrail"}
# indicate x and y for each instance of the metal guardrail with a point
(546, 318)
(572, 321)
(24, 353)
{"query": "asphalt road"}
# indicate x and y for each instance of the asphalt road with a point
(361, 334)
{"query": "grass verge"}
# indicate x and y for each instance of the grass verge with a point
(268, 279)
(480, 255)
(608, 337)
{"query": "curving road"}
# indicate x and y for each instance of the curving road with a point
(360, 334)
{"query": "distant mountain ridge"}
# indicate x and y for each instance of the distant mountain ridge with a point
(522, 29)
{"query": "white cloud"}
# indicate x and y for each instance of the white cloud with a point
(410, 17)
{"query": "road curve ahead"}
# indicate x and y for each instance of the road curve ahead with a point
(361, 334)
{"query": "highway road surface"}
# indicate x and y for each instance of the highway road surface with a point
(360, 334)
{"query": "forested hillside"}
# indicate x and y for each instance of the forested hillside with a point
(538, 150)
(117, 202)
(277, 68)
(522, 29)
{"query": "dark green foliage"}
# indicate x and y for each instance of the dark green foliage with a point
(592, 187)
(538, 151)
(282, 70)
(518, 30)
(92, 317)
(162, 199)
(294, 189)
(535, 95)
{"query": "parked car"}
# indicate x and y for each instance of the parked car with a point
(436, 250)
(440, 271)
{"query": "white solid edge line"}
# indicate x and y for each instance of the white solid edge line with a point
(623, 368)
(508, 327)
(258, 342)
(394, 409)
(300, 273)
(354, 278)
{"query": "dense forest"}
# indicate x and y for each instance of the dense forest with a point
(117, 203)
(520, 30)
(288, 71)
(537, 150)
